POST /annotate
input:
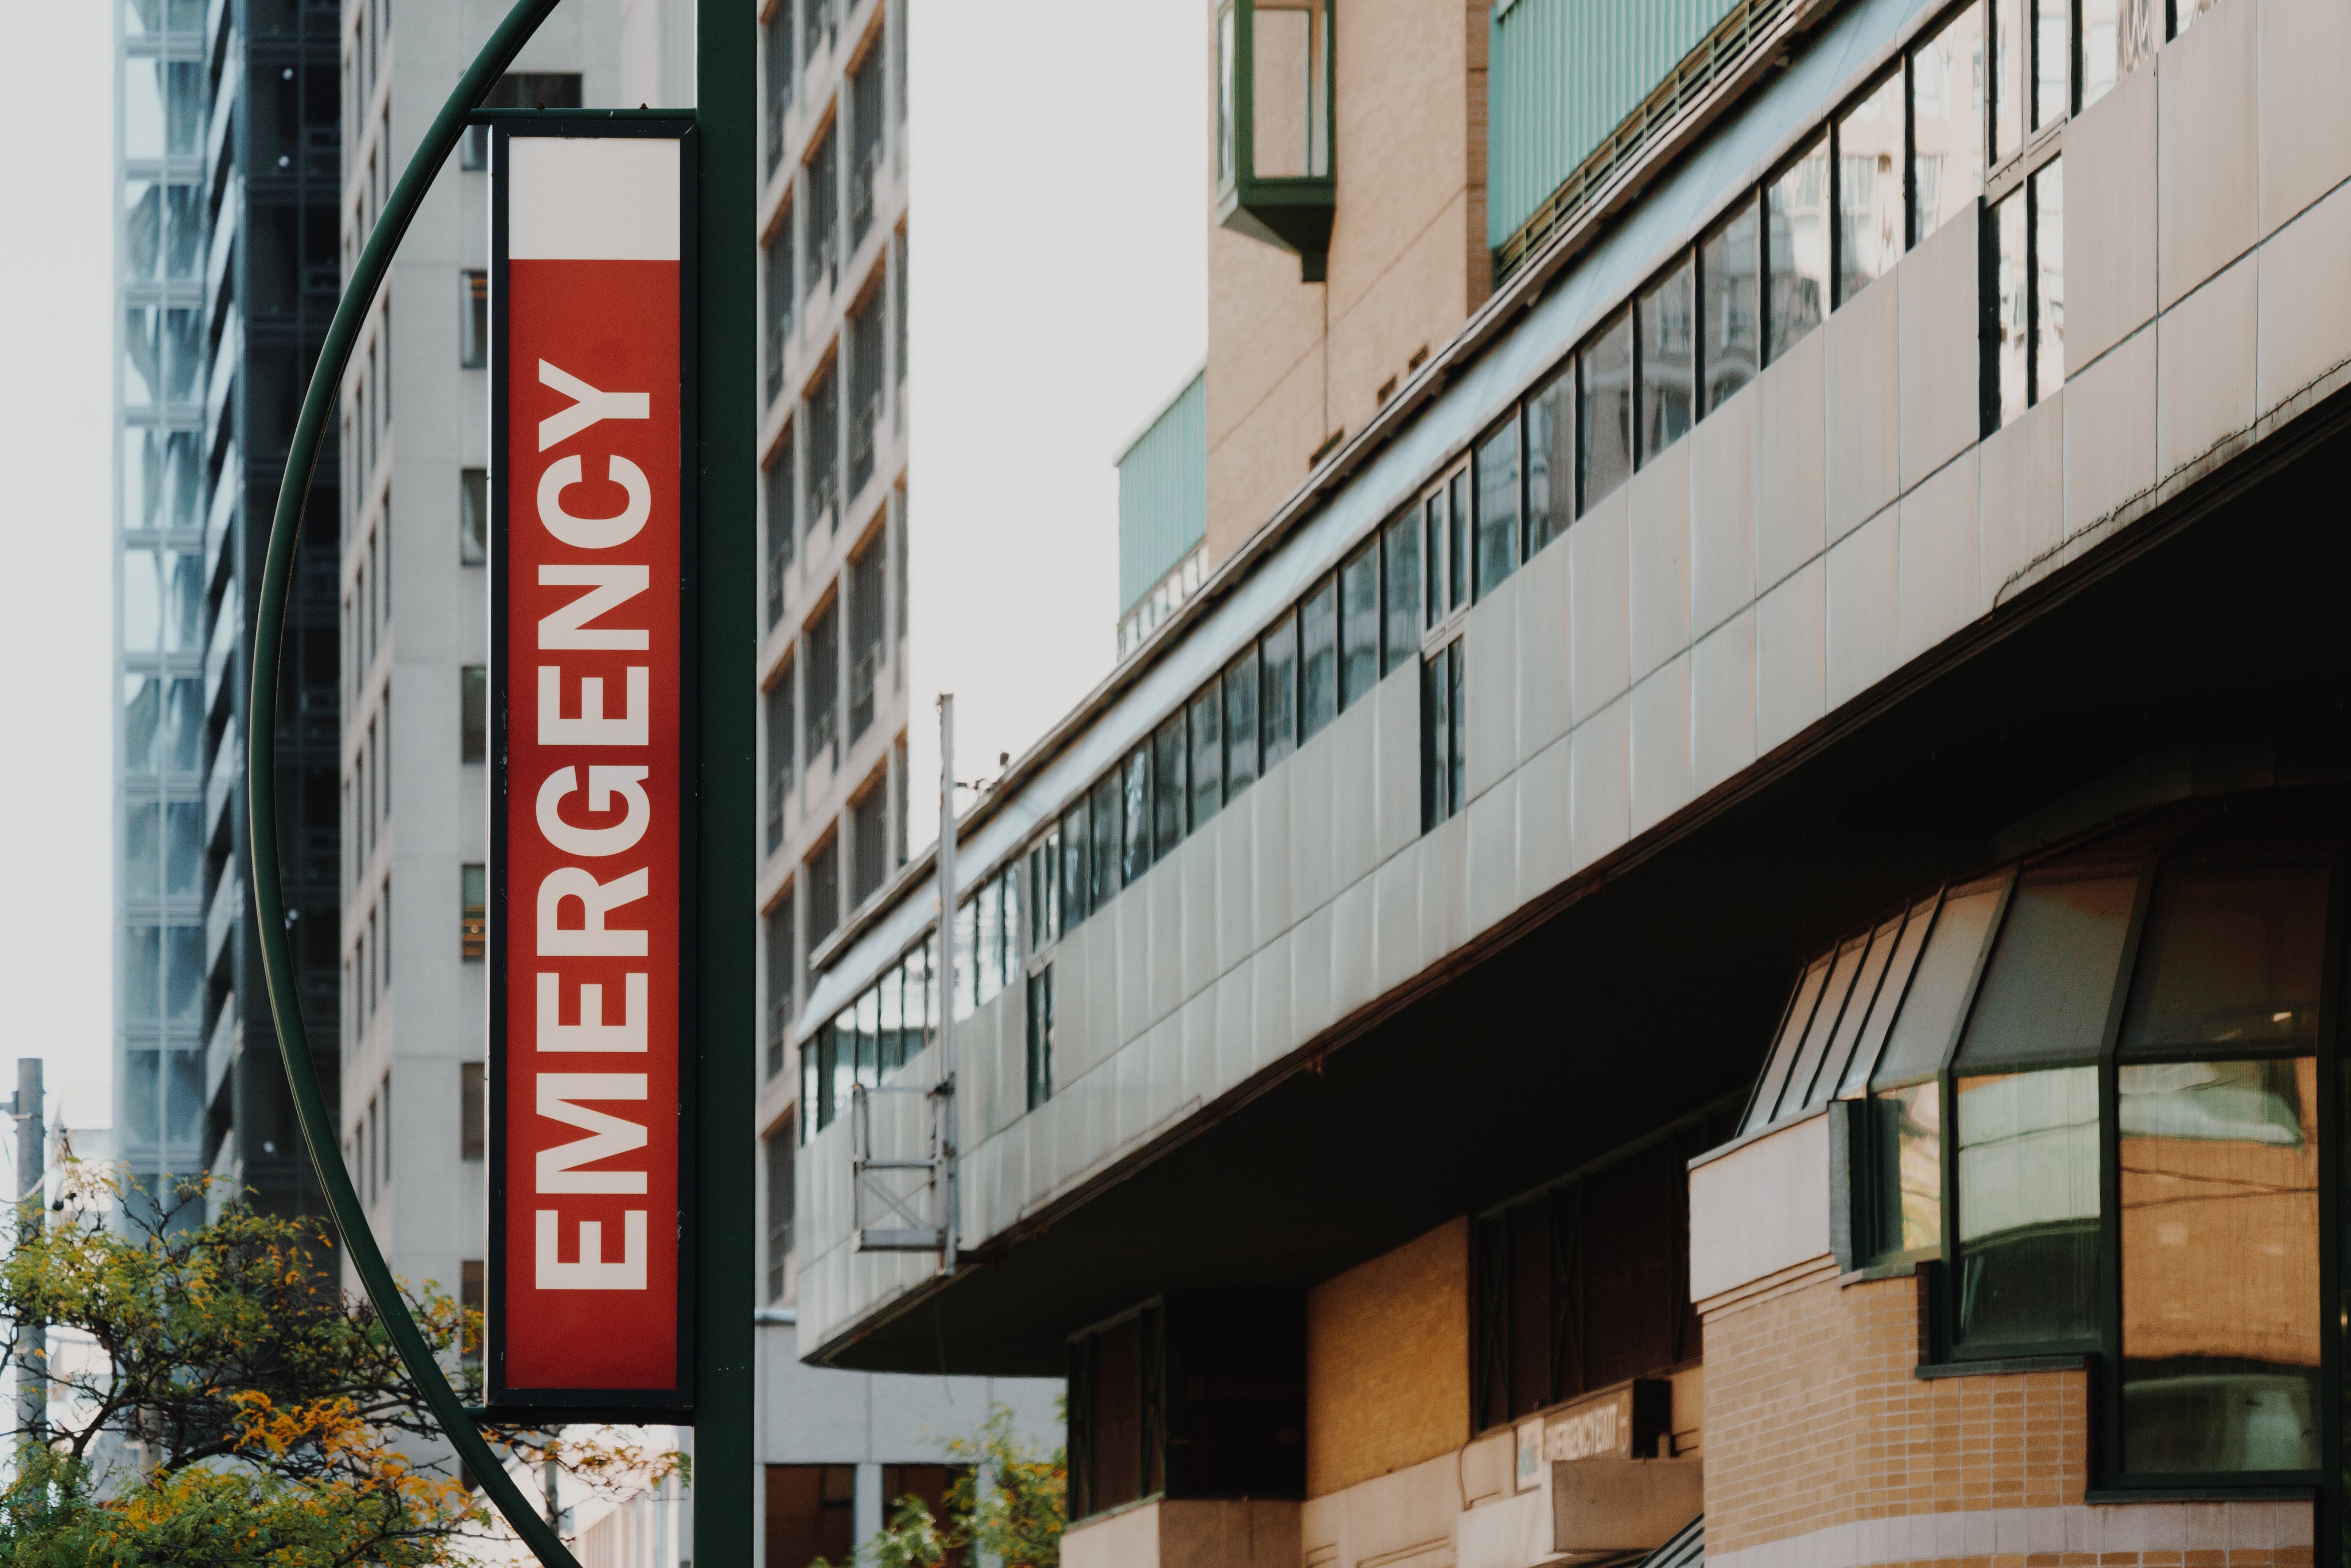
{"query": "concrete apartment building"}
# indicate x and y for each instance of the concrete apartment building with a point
(414, 811)
(1715, 935)
(226, 165)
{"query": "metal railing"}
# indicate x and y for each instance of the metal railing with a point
(891, 1214)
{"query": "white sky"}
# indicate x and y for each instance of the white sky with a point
(1058, 235)
(1060, 295)
(55, 600)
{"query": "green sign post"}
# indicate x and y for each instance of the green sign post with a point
(719, 963)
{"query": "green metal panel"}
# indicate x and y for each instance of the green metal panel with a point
(1565, 73)
(1162, 493)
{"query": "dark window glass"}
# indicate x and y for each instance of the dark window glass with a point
(1457, 540)
(1796, 249)
(1441, 736)
(1730, 259)
(474, 321)
(2007, 70)
(820, 882)
(782, 727)
(1400, 571)
(1497, 507)
(780, 1150)
(777, 483)
(473, 517)
(1040, 1037)
(472, 912)
(1107, 814)
(1317, 637)
(1551, 459)
(868, 844)
(1432, 552)
(1906, 1174)
(2219, 1266)
(810, 1508)
(1920, 1040)
(1077, 886)
(2232, 956)
(1276, 654)
(1668, 330)
(1169, 788)
(1607, 403)
(2028, 1209)
(473, 1111)
(1240, 724)
(1359, 623)
(1947, 121)
(2051, 981)
(472, 712)
(1207, 762)
(821, 670)
(783, 964)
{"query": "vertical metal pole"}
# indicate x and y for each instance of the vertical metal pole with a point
(950, 1210)
(33, 1365)
(726, 1075)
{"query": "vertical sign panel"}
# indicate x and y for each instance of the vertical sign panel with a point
(590, 825)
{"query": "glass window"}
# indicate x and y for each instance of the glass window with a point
(1497, 507)
(1875, 953)
(1106, 813)
(1606, 402)
(2051, 982)
(1457, 540)
(1359, 623)
(1168, 785)
(2028, 1209)
(1920, 1040)
(2012, 369)
(474, 713)
(1551, 458)
(2219, 1266)
(892, 1019)
(1040, 1037)
(143, 608)
(142, 850)
(1318, 636)
(1813, 1050)
(473, 911)
(2053, 60)
(473, 319)
(1730, 259)
(1905, 1145)
(1441, 737)
(1400, 585)
(2008, 46)
(1893, 988)
(1947, 121)
(473, 517)
(2232, 956)
(184, 849)
(2048, 278)
(1796, 249)
(1276, 654)
(1781, 1063)
(1077, 886)
(1208, 753)
(1668, 331)
(2097, 49)
(1870, 218)
(1240, 724)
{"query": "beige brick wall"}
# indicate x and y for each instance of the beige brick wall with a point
(1387, 1362)
(1815, 1418)
(1289, 364)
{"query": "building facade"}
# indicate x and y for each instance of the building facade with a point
(1714, 935)
(227, 162)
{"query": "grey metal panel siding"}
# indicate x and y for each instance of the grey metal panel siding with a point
(1564, 73)
(1162, 493)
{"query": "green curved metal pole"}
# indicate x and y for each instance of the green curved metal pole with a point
(261, 782)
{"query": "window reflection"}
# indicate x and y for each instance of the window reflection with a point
(1668, 327)
(1796, 242)
(1606, 406)
(2219, 1266)
(1907, 1142)
(1869, 188)
(1727, 262)
(2028, 1208)
(2232, 956)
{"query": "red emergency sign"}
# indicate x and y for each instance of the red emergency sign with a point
(589, 816)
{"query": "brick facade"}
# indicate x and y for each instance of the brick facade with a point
(1825, 1450)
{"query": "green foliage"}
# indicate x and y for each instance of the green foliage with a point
(1017, 1523)
(241, 1410)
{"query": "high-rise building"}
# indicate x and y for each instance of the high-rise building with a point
(227, 146)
